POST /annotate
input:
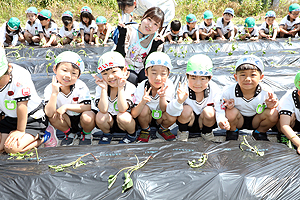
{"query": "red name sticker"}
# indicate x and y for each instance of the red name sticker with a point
(26, 91)
(75, 98)
(10, 93)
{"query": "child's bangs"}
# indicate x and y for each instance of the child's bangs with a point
(247, 67)
(41, 18)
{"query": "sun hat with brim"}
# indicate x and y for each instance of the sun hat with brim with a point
(46, 14)
(270, 13)
(191, 18)
(32, 10)
(297, 80)
(67, 14)
(101, 20)
(158, 58)
(199, 65)
(3, 62)
(294, 7)
(14, 23)
(249, 22)
(229, 11)
(251, 59)
(109, 60)
(70, 57)
(86, 9)
(208, 15)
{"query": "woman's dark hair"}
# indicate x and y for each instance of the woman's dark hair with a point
(15, 31)
(156, 14)
(87, 15)
(123, 3)
(247, 67)
(67, 20)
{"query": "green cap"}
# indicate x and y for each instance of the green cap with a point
(67, 14)
(229, 10)
(208, 15)
(251, 59)
(159, 58)
(199, 65)
(101, 20)
(109, 60)
(190, 18)
(32, 10)
(297, 80)
(46, 13)
(14, 23)
(294, 7)
(249, 22)
(3, 62)
(86, 9)
(71, 57)
(270, 13)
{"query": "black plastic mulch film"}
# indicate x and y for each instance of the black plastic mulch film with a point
(229, 172)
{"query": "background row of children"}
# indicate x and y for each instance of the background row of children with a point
(224, 29)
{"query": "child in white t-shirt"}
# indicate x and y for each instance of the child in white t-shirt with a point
(87, 26)
(250, 30)
(68, 34)
(225, 27)
(269, 28)
(10, 33)
(289, 25)
(31, 33)
(191, 29)
(207, 28)
(47, 29)
(104, 30)
(174, 33)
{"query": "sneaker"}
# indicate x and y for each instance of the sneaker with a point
(144, 135)
(85, 139)
(69, 139)
(52, 141)
(208, 136)
(232, 135)
(182, 135)
(260, 136)
(128, 139)
(105, 138)
(166, 134)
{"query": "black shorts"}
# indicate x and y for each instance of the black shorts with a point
(248, 122)
(297, 126)
(34, 126)
(116, 129)
(195, 127)
(75, 123)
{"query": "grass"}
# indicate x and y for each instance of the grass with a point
(109, 9)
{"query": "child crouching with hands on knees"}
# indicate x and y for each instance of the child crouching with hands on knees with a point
(153, 95)
(199, 98)
(68, 100)
(24, 123)
(247, 105)
(114, 98)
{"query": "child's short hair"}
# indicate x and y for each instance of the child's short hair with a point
(175, 25)
(123, 3)
(156, 14)
(67, 20)
(73, 65)
(250, 62)
(247, 67)
(87, 15)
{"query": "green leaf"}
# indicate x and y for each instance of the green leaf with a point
(128, 183)
(111, 180)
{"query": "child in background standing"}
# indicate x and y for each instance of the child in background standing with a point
(31, 33)
(153, 95)
(289, 25)
(250, 30)
(104, 30)
(225, 27)
(87, 26)
(174, 32)
(207, 28)
(269, 28)
(48, 29)
(114, 99)
(68, 100)
(70, 30)
(10, 32)
(191, 28)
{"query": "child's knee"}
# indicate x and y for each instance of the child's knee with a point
(209, 113)
(124, 118)
(186, 112)
(231, 114)
(102, 118)
(87, 117)
(272, 115)
(145, 112)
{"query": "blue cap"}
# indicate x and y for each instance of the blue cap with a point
(229, 11)
(270, 13)
(190, 18)
(32, 10)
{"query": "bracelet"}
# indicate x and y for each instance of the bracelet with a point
(293, 137)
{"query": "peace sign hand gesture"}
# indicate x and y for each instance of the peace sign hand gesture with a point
(160, 36)
(229, 103)
(122, 78)
(100, 82)
(55, 85)
(271, 101)
(181, 93)
(146, 97)
(162, 91)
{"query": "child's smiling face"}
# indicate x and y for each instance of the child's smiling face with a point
(248, 79)
(270, 20)
(157, 75)
(227, 17)
(66, 74)
(111, 76)
(198, 83)
(31, 17)
(208, 21)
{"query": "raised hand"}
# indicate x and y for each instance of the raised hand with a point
(122, 78)
(146, 98)
(182, 94)
(271, 101)
(229, 103)
(100, 82)
(55, 85)
(160, 36)
(224, 124)
(162, 91)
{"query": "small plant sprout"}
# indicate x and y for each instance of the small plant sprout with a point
(128, 183)
(82, 52)
(253, 149)
(26, 155)
(75, 164)
(194, 164)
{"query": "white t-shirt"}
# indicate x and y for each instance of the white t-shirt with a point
(263, 26)
(87, 29)
(20, 88)
(254, 32)
(34, 28)
(52, 29)
(80, 94)
(154, 103)
(246, 107)
(290, 104)
(224, 28)
(179, 34)
(63, 32)
(186, 29)
(3, 32)
(290, 25)
(206, 28)
(129, 89)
